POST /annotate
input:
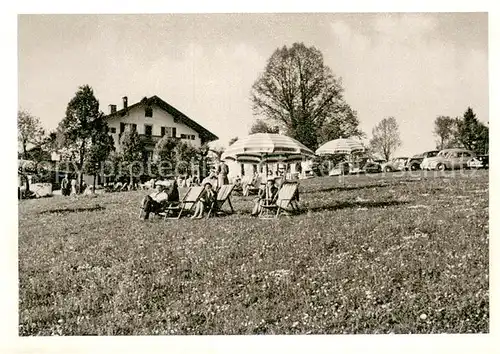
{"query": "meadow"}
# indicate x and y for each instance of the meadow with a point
(382, 253)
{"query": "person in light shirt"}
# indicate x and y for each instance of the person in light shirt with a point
(207, 197)
(266, 196)
(155, 201)
(212, 179)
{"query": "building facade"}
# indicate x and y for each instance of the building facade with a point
(154, 118)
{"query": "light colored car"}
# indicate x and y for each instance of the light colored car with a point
(448, 159)
(415, 162)
(480, 161)
(395, 164)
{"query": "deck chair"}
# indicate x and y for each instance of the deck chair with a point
(159, 213)
(253, 188)
(185, 205)
(284, 200)
(223, 195)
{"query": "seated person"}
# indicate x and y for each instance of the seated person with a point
(238, 186)
(212, 179)
(156, 201)
(173, 193)
(266, 196)
(253, 183)
(207, 197)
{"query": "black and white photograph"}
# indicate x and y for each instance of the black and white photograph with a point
(253, 174)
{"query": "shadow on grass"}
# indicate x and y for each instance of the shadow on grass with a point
(349, 205)
(348, 188)
(72, 210)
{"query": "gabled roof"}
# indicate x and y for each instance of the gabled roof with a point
(181, 117)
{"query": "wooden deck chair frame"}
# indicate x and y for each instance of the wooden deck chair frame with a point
(161, 213)
(223, 195)
(253, 188)
(186, 204)
(285, 196)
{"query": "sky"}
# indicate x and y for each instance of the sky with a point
(413, 66)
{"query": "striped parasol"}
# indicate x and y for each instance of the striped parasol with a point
(340, 146)
(267, 148)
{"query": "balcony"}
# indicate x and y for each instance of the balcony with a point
(149, 139)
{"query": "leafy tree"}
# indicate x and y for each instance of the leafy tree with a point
(164, 153)
(132, 153)
(77, 127)
(343, 124)
(102, 144)
(217, 151)
(112, 164)
(29, 132)
(203, 160)
(164, 149)
(260, 126)
(483, 140)
(445, 131)
(185, 156)
(178, 154)
(298, 92)
(32, 145)
(471, 133)
(385, 137)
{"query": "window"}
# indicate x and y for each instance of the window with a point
(148, 129)
(133, 127)
(192, 137)
(183, 136)
(122, 127)
(148, 112)
(112, 130)
(174, 132)
(167, 131)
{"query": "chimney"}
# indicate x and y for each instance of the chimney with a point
(112, 108)
(125, 102)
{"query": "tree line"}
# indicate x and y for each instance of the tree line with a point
(459, 132)
(296, 94)
(82, 138)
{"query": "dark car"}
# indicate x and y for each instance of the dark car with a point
(414, 162)
(365, 165)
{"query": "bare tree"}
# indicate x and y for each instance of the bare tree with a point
(385, 137)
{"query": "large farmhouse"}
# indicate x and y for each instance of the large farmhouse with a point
(154, 118)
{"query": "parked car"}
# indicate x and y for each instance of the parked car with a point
(449, 159)
(415, 161)
(480, 161)
(372, 167)
(395, 164)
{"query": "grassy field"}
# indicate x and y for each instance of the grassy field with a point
(393, 253)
